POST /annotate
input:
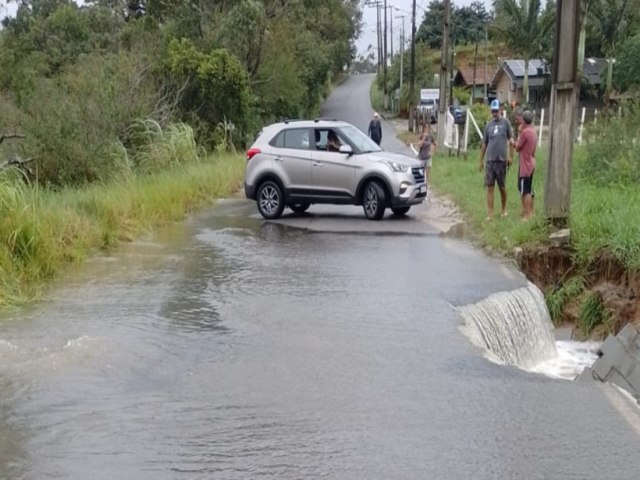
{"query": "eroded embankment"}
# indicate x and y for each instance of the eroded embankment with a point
(596, 298)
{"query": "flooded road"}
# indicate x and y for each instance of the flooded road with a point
(227, 348)
(322, 346)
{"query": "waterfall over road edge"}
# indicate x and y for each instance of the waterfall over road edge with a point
(514, 327)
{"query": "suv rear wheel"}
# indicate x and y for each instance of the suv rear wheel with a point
(270, 200)
(299, 207)
(373, 201)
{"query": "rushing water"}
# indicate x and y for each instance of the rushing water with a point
(514, 326)
(234, 349)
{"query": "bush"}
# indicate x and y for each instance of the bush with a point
(482, 114)
(612, 149)
(216, 87)
(74, 122)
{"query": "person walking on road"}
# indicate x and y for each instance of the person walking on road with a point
(375, 129)
(526, 148)
(426, 149)
(496, 143)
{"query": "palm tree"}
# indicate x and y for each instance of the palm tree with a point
(584, 15)
(611, 21)
(525, 27)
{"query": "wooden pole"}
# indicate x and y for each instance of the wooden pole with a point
(442, 106)
(564, 92)
(412, 74)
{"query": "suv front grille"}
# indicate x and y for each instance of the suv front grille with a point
(418, 174)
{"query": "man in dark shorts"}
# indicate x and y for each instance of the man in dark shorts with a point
(499, 153)
(526, 148)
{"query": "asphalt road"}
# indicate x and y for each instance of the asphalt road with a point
(231, 348)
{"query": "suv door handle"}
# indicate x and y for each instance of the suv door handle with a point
(317, 164)
(279, 159)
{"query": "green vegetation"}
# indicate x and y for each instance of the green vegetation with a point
(134, 111)
(592, 313)
(43, 229)
(376, 97)
(558, 298)
(525, 27)
(602, 217)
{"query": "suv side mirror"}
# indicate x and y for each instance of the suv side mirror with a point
(346, 149)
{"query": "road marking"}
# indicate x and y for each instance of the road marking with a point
(624, 405)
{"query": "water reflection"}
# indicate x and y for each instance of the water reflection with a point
(13, 435)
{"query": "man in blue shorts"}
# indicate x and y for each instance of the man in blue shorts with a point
(499, 154)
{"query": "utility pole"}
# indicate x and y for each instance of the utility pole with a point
(369, 3)
(475, 63)
(384, 56)
(453, 59)
(564, 93)
(486, 41)
(412, 75)
(377, 4)
(442, 107)
(402, 42)
(391, 26)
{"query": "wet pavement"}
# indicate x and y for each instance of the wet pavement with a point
(231, 348)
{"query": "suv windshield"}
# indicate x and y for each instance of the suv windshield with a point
(361, 143)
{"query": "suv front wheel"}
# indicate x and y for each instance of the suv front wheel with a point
(270, 200)
(373, 201)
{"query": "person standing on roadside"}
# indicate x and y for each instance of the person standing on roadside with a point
(375, 129)
(526, 148)
(426, 149)
(496, 143)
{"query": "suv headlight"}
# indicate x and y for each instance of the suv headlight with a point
(396, 167)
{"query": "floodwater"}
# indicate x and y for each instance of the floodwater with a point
(229, 348)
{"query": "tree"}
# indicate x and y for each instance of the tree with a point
(612, 21)
(525, 27)
(625, 76)
(465, 23)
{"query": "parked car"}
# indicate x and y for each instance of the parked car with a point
(299, 163)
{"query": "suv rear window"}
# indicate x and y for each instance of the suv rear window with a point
(295, 138)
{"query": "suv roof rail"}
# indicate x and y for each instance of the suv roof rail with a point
(320, 119)
(288, 120)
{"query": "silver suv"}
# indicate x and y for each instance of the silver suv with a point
(297, 163)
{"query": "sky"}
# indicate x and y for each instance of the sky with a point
(368, 35)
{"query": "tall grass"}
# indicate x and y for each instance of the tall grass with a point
(592, 314)
(602, 217)
(376, 97)
(42, 230)
(461, 180)
(559, 297)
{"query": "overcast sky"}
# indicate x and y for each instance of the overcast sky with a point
(368, 36)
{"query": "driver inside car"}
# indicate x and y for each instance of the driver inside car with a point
(333, 144)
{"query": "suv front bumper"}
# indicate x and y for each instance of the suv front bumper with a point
(413, 194)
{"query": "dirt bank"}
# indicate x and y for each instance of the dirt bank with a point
(606, 284)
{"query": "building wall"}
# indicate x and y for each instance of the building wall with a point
(503, 88)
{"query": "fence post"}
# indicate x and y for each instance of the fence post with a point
(581, 126)
(541, 125)
(465, 143)
(595, 116)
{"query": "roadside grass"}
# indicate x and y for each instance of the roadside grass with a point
(42, 230)
(376, 97)
(558, 298)
(603, 218)
(459, 178)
